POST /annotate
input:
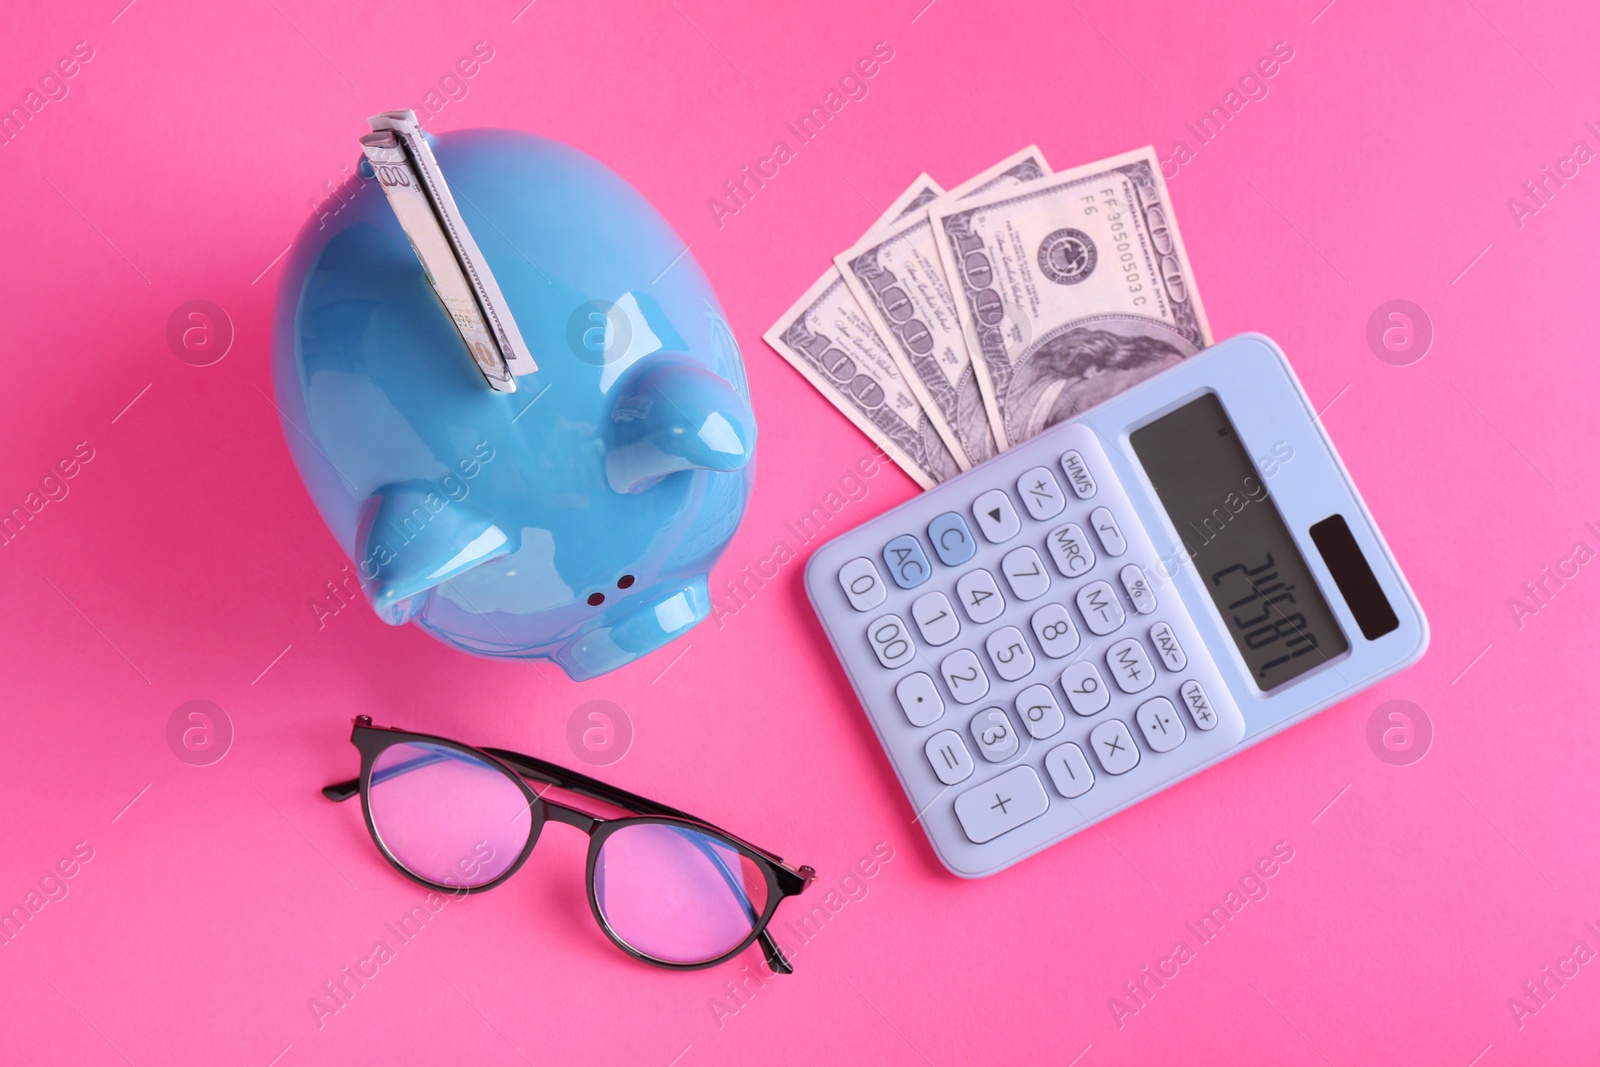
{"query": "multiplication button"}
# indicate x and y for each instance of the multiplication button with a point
(1113, 747)
(1001, 804)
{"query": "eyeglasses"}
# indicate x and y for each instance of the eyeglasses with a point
(668, 888)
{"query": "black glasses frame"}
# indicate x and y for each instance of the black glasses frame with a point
(782, 880)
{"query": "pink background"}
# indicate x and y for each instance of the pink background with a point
(183, 562)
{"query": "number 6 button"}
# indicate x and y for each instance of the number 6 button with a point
(891, 640)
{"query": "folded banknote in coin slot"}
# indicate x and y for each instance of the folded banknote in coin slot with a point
(416, 189)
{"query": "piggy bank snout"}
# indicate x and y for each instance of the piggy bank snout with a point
(643, 630)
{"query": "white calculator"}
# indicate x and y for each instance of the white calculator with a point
(1107, 608)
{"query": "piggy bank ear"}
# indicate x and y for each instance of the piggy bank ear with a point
(671, 416)
(412, 538)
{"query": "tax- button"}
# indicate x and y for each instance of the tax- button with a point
(908, 564)
(952, 539)
(1001, 804)
(997, 518)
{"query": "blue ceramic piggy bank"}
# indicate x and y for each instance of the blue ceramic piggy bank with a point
(573, 520)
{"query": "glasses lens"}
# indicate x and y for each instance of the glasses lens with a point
(677, 895)
(446, 815)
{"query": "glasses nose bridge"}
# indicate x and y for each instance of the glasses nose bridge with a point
(582, 820)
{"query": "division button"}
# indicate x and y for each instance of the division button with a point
(1001, 804)
(1158, 721)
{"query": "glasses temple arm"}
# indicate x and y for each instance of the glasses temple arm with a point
(339, 792)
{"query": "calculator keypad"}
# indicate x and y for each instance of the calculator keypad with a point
(1024, 672)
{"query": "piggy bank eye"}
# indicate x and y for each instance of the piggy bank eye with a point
(596, 599)
(625, 581)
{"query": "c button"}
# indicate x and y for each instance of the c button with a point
(952, 539)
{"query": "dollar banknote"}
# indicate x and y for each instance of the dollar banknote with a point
(1070, 289)
(829, 340)
(918, 195)
(896, 276)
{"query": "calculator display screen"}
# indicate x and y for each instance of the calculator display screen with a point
(1267, 597)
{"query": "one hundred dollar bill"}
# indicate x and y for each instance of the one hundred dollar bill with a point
(913, 201)
(416, 189)
(828, 339)
(896, 275)
(1070, 289)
